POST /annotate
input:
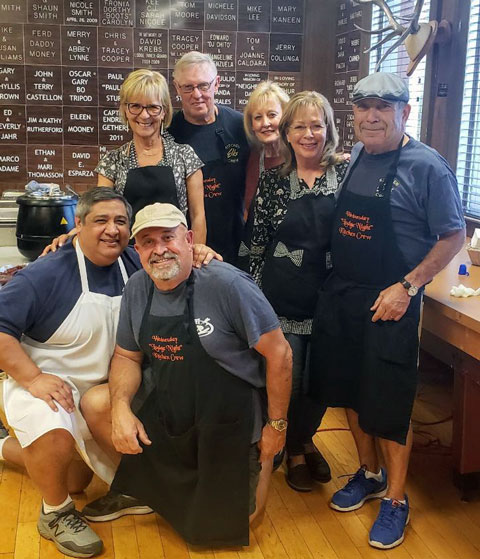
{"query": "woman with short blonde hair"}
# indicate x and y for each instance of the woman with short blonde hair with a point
(261, 118)
(152, 167)
(145, 83)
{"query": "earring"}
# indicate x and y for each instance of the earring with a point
(161, 129)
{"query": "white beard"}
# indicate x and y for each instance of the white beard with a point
(165, 274)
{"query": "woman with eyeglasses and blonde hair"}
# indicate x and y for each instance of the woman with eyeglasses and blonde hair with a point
(152, 167)
(289, 256)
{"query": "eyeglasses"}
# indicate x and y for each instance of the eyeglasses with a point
(136, 109)
(300, 129)
(204, 86)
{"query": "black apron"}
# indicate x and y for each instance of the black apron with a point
(355, 363)
(150, 184)
(199, 418)
(297, 260)
(224, 189)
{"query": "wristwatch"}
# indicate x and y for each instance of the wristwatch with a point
(278, 424)
(412, 290)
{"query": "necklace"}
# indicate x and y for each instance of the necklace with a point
(152, 152)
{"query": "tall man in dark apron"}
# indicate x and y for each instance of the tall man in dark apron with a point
(216, 134)
(398, 222)
(191, 450)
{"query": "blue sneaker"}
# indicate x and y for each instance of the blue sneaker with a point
(358, 490)
(389, 529)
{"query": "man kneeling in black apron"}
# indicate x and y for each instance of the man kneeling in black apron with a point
(398, 222)
(212, 343)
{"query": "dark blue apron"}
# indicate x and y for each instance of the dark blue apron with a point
(297, 259)
(355, 363)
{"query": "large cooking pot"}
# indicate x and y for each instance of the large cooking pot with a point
(41, 218)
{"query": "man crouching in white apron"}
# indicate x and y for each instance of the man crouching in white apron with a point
(58, 320)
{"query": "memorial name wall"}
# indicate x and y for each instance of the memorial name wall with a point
(349, 47)
(62, 63)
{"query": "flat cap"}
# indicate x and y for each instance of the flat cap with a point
(381, 85)
(158, 215)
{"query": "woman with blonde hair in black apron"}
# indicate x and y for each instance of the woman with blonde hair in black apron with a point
(290, 257)
(152, 167)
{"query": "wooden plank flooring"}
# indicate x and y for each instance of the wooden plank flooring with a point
(296, 526)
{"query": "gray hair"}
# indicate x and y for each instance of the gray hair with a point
(191, 58)
(99, 194)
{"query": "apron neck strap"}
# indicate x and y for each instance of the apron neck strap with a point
(392, 170)
(390, 176)
(188, 309)
(123, 270)
(261, 163)
(83, 268)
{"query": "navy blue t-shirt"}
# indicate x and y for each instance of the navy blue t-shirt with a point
(425, 200)
(223, 147)
(40, 297)
(203, 138)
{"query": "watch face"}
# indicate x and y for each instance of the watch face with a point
(412, 291)
(278, 424)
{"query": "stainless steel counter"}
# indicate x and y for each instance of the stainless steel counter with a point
(10, 255)
(7, 234)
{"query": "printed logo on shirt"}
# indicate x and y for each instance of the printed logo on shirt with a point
(233, 152)
(380, 191)
(204, 327)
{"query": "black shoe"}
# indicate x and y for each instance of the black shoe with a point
(112, 506)
(299, 478)
(318, 466)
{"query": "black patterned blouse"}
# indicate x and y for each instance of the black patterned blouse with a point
(269, 210)
(180, 157)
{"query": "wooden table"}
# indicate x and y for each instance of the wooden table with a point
(457, 321)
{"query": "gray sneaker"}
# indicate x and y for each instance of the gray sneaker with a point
(114, 505)
(3, 430)
(69, 532)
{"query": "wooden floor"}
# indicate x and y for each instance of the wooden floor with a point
(296, 526)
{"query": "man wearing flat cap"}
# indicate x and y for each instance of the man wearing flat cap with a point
(214, 344)
(398, 222)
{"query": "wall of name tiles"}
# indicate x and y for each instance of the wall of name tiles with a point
(62, 63)
(350, 63)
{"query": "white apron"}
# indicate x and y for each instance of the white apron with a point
(79, 352)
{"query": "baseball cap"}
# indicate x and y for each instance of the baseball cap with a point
(157, 215)
(381, 85)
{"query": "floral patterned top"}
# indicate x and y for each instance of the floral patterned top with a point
(269, 210)
(180, 157)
